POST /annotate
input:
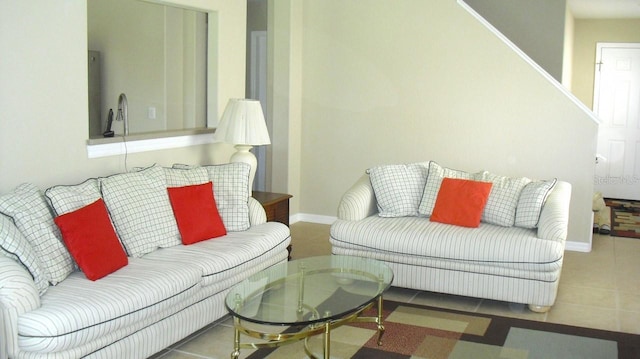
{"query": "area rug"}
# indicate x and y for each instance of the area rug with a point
(421, 332)
(625, 218)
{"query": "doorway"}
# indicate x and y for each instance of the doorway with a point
(617, 103)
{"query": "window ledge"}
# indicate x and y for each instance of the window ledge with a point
(119, 145)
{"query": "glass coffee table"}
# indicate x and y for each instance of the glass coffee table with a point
(296, 300)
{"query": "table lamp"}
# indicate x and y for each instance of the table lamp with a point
(243, 125)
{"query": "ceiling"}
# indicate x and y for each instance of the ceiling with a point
(604, 9)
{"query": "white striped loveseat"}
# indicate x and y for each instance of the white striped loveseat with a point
(507, 263)
(166, 291)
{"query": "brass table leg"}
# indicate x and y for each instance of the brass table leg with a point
(327, 340)
(236, 343)
(379, 321)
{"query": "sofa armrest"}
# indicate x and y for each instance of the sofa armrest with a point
(18, 294)
(17, 288)
(257, 215)
(554, 218)
(359, 201)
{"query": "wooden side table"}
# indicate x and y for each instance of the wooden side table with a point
(276, 205)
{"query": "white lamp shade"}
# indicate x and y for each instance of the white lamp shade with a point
(243, 123)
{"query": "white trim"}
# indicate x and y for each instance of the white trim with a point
(528, 59)
(154, 144)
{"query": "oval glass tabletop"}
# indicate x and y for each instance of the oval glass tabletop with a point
(309, 290)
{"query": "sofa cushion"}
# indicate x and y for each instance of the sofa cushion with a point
(497, 247)
(503, 200)
(92, 241)
(140, 210)
(196, 213)
(531, 201)
(223, 259)
(434, 178)
(27, 206)
(15, 246)
(79, 311)
(65, 199)
(178, 177)
(398, 188)
(460, 202)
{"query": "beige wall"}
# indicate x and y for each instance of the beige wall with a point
(394, 82)
(406, 81)
(587, 34)
(43, 92)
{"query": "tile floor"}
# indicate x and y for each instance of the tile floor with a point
(600, 289)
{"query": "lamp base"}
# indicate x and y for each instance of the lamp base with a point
(242, 154)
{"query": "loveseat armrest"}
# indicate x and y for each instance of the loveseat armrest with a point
(359, 201)
(257, 215)
(554, 218)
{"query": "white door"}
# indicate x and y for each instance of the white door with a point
(617, 104)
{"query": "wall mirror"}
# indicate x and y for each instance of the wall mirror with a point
(153, 53)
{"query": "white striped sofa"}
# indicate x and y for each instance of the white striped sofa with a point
(154, 301)
(511, 264)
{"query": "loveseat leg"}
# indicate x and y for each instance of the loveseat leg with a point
(539, 308)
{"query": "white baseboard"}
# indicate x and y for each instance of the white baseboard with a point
(314, 218)
(577, 247)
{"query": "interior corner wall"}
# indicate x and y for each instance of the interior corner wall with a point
(588, 32)
(43, 93)
(536, 27)
(388, 82)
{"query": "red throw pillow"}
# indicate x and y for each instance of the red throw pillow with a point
(92, 241)
(196, 212)
(461, 202)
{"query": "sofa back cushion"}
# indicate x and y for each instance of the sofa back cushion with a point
(140, 210)
(27, 206)
(398, 188)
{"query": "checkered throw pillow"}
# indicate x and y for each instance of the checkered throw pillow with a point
(65, 199)
(503, 199)
(15, 246)
(398, 188)
(140, 210)
(531, 202)
(29, 210)
(179, 177)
